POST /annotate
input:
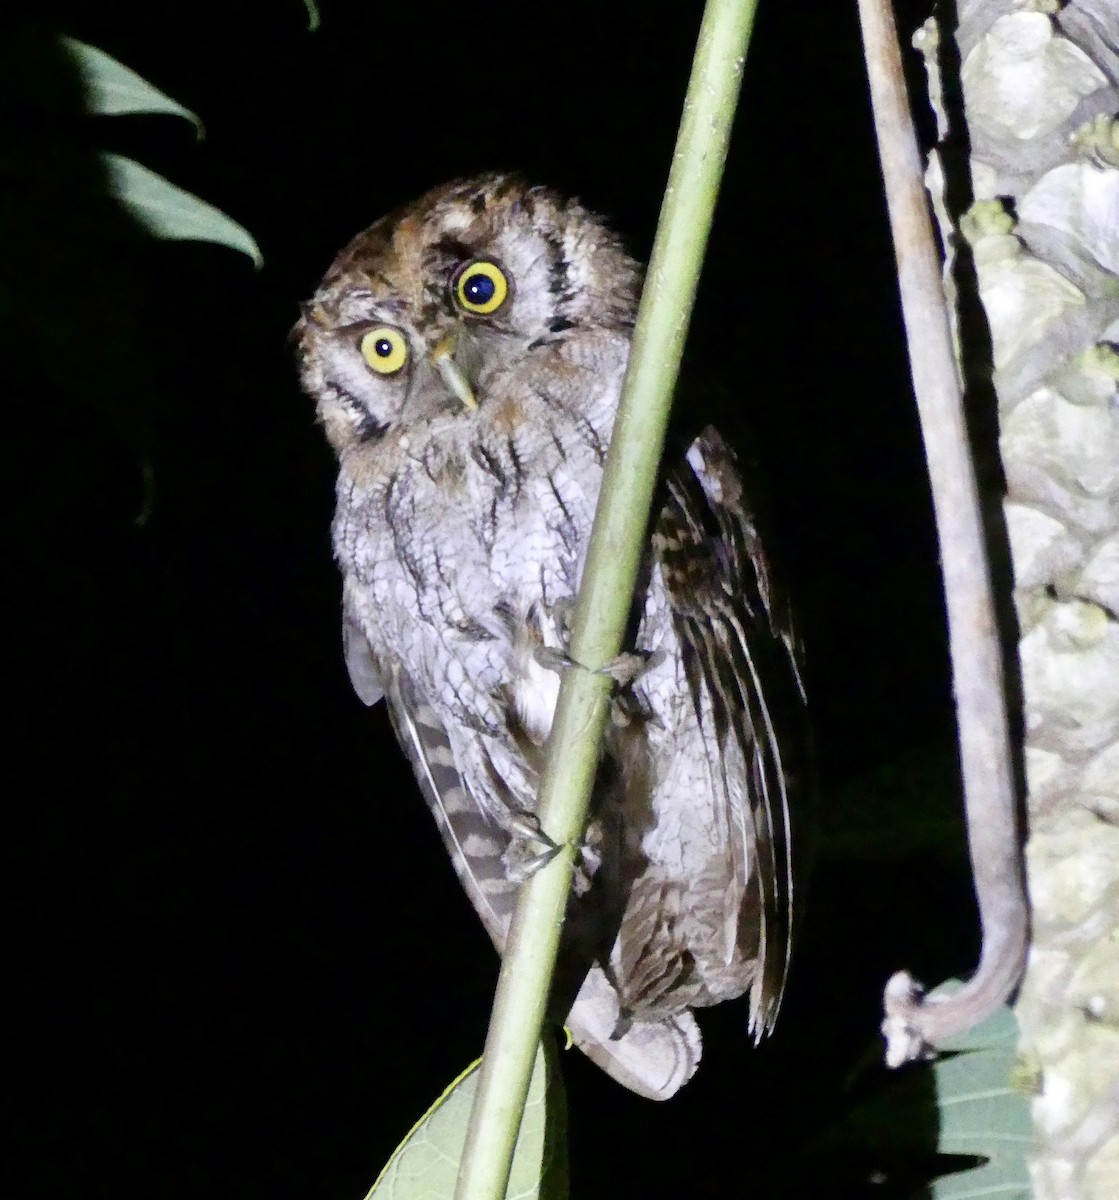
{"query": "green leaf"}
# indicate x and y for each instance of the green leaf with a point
(168, 212)
(312, 15)
(425, 1165)
(962, 1103)
(112, 88)
(981, 1112)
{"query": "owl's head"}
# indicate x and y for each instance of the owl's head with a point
(429, 304)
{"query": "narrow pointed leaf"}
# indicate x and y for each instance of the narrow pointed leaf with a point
(168, 212)
(112, 88)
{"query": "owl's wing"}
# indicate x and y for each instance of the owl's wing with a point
(652, 1058)
(473, 841)
(364, 673)
(474, 844)
(740, 661)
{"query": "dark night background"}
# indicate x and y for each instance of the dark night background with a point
(242, 964)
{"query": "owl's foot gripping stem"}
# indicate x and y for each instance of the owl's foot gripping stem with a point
(549, 629)
(625, 669)
(530, 849)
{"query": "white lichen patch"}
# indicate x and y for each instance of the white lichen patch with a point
(1100, 782)
(1022, 296)
(1070, 667)
(1081, 201)
(1023, 80)
(1065, 456)
(1041, 547)
(1099, 580)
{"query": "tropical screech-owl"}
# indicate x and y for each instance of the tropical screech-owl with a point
(466, 354)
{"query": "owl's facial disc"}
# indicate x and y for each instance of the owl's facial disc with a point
(443, 359)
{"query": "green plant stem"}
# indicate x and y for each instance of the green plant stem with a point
(617, 543)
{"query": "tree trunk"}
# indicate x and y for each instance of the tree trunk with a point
(1040, 98)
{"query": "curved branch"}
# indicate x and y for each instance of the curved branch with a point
(912, 1021)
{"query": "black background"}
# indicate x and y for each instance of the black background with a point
(244, 966)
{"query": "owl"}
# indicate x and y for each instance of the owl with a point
(466, 355)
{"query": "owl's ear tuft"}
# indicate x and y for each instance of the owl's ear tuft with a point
(310, 314)
(314, 314)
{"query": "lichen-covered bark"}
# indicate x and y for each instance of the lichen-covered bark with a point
(1040, 92)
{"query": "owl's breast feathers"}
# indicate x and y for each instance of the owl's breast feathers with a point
(462, 531)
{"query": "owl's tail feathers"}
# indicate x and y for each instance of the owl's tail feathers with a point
(652, 1058)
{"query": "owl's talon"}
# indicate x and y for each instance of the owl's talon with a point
(529, 849)
(588, 859)
(524, 827)
(553, 659)
(625, 669)
(521, 861)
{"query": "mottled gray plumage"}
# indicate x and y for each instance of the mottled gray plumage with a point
(466, 354)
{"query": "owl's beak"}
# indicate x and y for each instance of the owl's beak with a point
(443, 359)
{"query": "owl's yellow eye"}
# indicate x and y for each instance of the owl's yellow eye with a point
(384, 349)
(481, 287)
